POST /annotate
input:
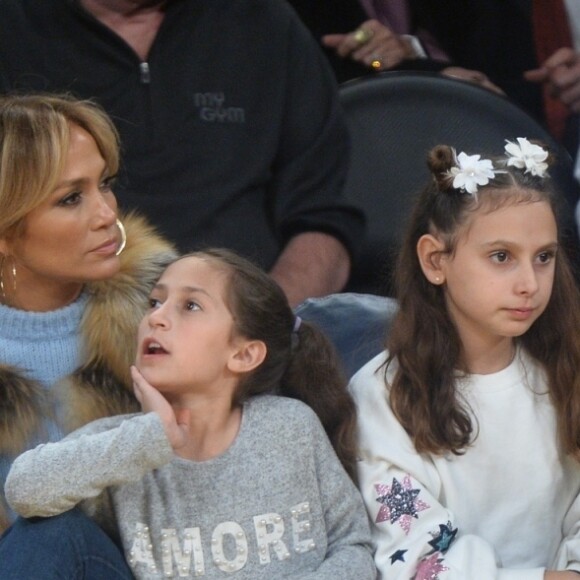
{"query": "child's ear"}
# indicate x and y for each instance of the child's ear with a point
(431, 251)
(248, 355)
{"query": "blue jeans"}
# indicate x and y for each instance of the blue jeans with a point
(69, 546)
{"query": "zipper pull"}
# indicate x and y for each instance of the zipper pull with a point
(145, 73)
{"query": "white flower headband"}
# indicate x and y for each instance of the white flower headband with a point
(528, 156)
(471, 171)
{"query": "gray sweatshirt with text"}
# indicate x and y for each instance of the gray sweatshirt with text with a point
(277, 504)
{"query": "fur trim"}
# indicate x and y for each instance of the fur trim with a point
(102, 385)
(4, 522)
(109, 327)
(92, 392)
(117, 305)
(22, 403)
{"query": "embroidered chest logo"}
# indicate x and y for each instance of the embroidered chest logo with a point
(212, 108)
(181, 553)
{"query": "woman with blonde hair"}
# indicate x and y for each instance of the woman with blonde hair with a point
(74, 278)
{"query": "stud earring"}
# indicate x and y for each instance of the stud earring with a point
(123, 237)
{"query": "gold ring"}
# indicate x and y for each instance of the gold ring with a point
(377, 63)
(362, 35)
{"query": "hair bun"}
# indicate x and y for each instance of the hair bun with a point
(440, 160)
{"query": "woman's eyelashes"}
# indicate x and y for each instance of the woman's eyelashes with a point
(71, 199)
(107, 183)
(189, 305)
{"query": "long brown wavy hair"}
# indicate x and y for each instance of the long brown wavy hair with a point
(424, 341)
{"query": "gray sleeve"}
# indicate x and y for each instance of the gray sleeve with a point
(350, 548)
(55, 477)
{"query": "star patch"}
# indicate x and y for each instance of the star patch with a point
(398, 556)
(399, 503)
(442, 540)
(429, 568)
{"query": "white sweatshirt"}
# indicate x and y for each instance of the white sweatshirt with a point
(506, 509)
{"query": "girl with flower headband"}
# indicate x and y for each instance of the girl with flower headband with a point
(216, 476)
(469, 423)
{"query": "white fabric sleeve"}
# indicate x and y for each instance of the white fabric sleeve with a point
(568, 555)
(417, 46)
(416, 536)
(54, 477)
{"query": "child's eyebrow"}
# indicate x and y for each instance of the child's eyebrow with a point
(507, 243)
(184, 289)
(194, 290)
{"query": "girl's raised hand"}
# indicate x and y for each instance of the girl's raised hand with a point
(175, 421)
(560, 575)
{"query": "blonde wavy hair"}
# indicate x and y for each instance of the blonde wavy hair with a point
(34, 142)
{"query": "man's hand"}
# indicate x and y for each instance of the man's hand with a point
(373, 45)
(561, 73)
(472, 76)
(561, 575)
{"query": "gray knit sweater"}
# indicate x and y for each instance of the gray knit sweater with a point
(276, 504)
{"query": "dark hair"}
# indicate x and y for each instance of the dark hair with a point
(300, 362)
(424, 340)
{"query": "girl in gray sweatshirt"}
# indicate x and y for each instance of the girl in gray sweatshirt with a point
(225, 472)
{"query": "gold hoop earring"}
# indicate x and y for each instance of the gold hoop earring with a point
(123, 237)
(2, 285)
(2, 288)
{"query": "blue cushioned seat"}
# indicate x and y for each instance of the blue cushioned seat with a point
(356, 323)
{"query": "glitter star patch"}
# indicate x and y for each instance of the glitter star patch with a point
(429, 568)
(442, 540)
(399, 503)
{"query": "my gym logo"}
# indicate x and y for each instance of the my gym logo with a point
(212, 109)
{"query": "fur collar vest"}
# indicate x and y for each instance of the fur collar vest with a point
(101, 386)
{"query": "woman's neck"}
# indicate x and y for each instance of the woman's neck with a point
(213, 427)
(35, 299)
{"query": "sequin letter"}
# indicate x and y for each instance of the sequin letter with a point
(399, 503)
